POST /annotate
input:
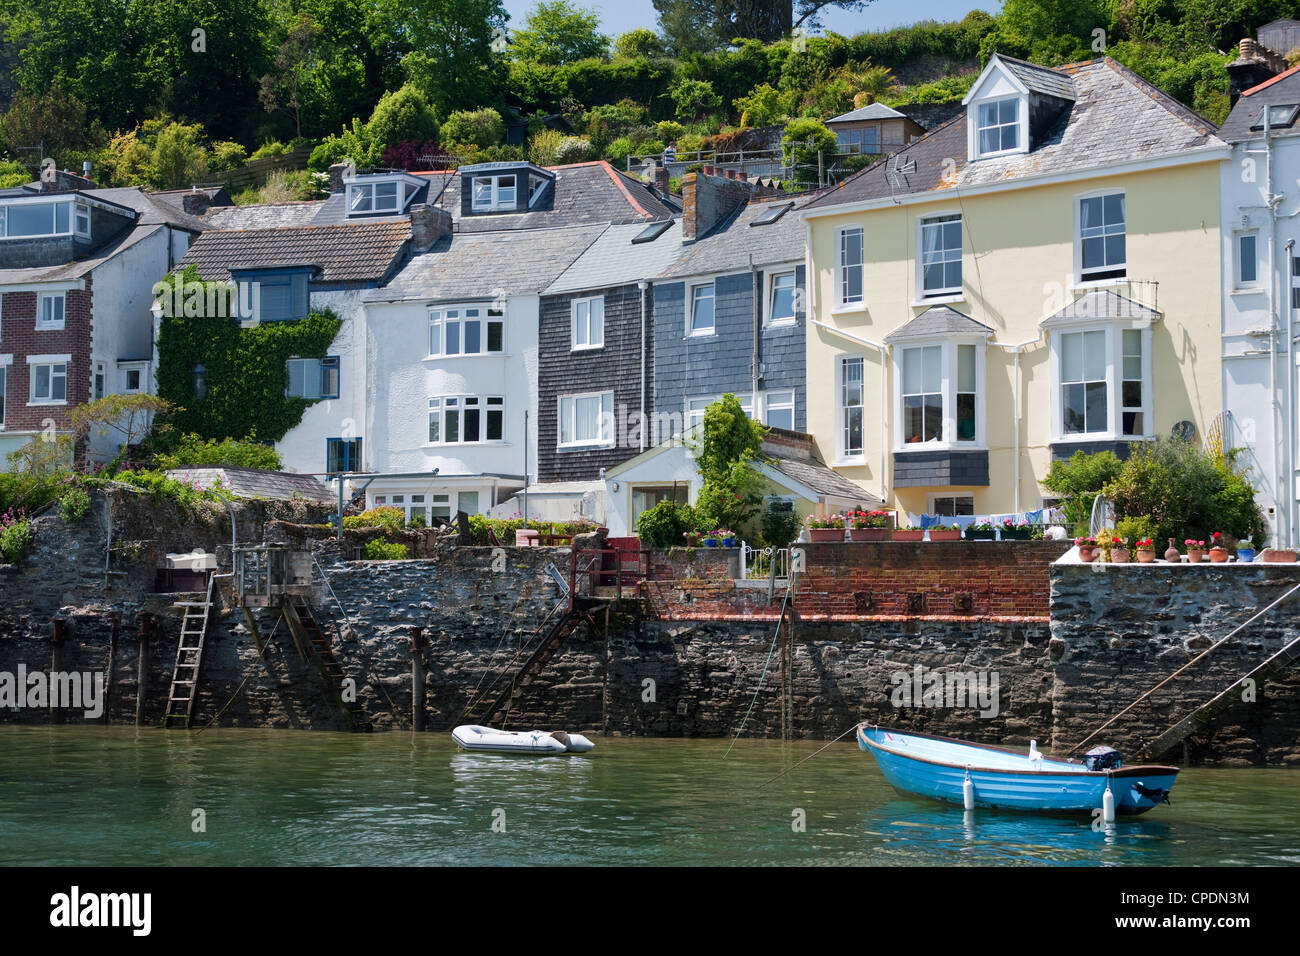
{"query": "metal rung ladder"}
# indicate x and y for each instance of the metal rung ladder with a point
(189, 656)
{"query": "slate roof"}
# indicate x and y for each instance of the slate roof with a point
(263, 215)
(1117, 117)
(153, 209)
(936, 322)
(1101, 304)
(612, 260)
(582, 193)
(729, 246)
(824, 480)
(357, 252)
(872, 111)
(256, 483)
(1283, 89)
(1040, 79)
(481, 265)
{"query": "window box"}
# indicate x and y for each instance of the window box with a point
(972, 535)
(909, 534)
(945, 534)
(825, 535)
(871, 534)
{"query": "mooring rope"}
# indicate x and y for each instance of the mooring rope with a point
(810, 756)
(770, 651)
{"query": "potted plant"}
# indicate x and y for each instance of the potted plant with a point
(981, 531)
(1011, 531)
(1279, 555)
(1195, 550)
(692, 538)
(726, 538)
(1087, 548)
(909, 534)
(1218, 548)
(1146, 550)
(825, 529)
(710, 540)
(871, 526)
(945, 532)
(1116, 548)
(1245, 555)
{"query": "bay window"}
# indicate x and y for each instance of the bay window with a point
(939, 396)
(586, 419)
(1102, 383)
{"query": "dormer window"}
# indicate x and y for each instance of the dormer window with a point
(999, 126)
(493, 193)
(25, 219)
(373, 197)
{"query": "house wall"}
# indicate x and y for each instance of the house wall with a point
(1252, 424)
(689, 366)
(1023, 274)
(618, 365)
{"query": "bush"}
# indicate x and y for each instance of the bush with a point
(270, 148)
(693, 98)
(543, 146)
(481, 128)
(780, 523)
(15, 536)
(193, 451)
(390, 519)
(573, 149)
(74, 505)
(1133, 530)
(379, 550)
(159, 486)
(666, 524)
(1078, 481)
(225, 155)
(805, 138)
(400, 116)
(640, 42)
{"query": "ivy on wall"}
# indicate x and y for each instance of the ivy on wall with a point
(245, 372)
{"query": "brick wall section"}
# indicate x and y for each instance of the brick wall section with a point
(21, 338)
(707, 200)
(862, 581)
(562, 371)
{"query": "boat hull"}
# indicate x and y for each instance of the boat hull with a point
(490, 740)
(938, 768)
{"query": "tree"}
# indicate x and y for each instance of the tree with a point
(481, 128)
(729, 444)
(129, 416)
(697, 25)
(693, 98)
(805, 138)
(638, 43)
(179, 157)
(400, 117)
(54, 119)
(557, 32)
(282, 89)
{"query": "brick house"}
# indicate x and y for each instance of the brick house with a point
(77, 266)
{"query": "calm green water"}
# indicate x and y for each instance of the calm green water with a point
(76, 796)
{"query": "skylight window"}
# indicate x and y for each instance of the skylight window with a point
(652, 232)
(1280, 115)
(773, 214)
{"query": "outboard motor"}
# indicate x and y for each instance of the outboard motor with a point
(1103, 758)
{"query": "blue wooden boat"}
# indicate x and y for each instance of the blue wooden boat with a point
(940, 767)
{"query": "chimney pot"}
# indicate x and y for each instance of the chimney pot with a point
(336, 177)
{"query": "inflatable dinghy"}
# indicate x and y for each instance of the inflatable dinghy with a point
(473, 737)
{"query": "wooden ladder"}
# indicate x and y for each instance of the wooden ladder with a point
(552, 640)
(314, 646)
(189, 655)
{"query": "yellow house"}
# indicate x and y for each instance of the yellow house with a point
(1037, 276)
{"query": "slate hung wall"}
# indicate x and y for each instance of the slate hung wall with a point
(617, 366)
(695, 366)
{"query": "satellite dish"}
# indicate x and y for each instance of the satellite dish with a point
(1184, 431)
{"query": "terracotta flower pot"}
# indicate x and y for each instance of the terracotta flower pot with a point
(911, 534)
(1146, 555)
(945, 534)
(1087, 555)
(1195, 555)
(692, 541)
(1218, 555)
(1279, 556)
(825, 535)
(871, 534)
(1119, 555)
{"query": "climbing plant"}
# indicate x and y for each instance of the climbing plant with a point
(245, 373)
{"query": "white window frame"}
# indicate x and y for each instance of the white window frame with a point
(1238, 259)
(40, 200)
(949, 374)
(1114, 347)
(59, 299)
(312, 372)
(842, 267)
(582, 318)
(126, 381)
(485, 405)
(79, 211)
(776, 399)
(606, 420)
(1021, 126)
(691, 330)
(356, 190)
(480, 314)
(843, 453)
(495, 192)
(773, 320)
(98, 380)
(950, 293)
(932, 499)
(52, 362)
(1080, 280)
(695, 406)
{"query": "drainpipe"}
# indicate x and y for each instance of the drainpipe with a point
(1016, 350)
(884, 485)
(758, 321)
(645, 288)
(1289, 443)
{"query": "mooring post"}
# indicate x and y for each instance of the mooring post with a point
(142, 667)
(58, 639)
(417, 678)
(114, 634)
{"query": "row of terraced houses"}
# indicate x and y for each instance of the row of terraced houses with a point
(1074, 261)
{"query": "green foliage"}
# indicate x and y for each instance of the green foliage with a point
(574, 149)
(780, 523)
(179, 158)
(666, 524)
(246, 374)
(669, 130)
(729, 443)
(764, 105)
(224, 155)
(1136, 529)
(804, 138)
(1078, 481)
(505, 528)
(74, 505)
(693, 98)
(191, 451)
(482, 128)
(353, 142)
(543, 145)
(401, 116)
(271, 147)
(639, 42)
(390, 519)
(53, 118)
(556, 32)
(380, 550)
(161, 487)
(16, 536)
(13, 173)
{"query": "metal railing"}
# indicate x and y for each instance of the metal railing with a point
(594, 568)
(756, 563)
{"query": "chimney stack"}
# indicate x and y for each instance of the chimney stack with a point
(707, 200)
(428, 225)
(336, 177)
(661, 180)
